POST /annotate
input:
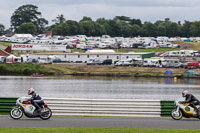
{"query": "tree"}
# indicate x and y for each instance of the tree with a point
(195, 29)
(161, 30)
(2, 29)
(136, 30)
(186, 29)
(61, 29)
(149, 29)
(73, 27)
(87, 28)
(136, 21)
(123, 18)
(28, 13)
(99, 29)
(86, 19)
(59, 19)
(27, 28)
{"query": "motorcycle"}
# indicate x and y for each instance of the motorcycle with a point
(25, 107)
(183, 110)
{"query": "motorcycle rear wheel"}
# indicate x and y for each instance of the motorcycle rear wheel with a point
(176, 116)
(16, 113)
(46, 113)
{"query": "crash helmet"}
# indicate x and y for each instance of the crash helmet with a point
(30, 91)
(184, 93)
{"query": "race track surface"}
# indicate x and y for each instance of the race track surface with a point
(95, 122)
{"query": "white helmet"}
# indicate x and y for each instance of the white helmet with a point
(30, 91)
(184, 93)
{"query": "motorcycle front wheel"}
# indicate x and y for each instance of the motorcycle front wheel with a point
(46, 113)
(16, 113)
(176, 115)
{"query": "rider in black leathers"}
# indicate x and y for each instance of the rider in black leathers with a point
(35, 99)
(189, 98)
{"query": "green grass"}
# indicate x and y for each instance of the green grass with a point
(93, 130)
(6, 44)
(60, 68)
(123, 50)
(78, 50)
(23, 69)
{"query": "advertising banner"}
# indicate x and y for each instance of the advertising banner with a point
(25, 47)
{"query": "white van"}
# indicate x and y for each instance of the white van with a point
(45, 60)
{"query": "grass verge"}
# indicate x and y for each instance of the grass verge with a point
(23, 69)
(93, 130)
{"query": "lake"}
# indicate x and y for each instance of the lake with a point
(99, 87)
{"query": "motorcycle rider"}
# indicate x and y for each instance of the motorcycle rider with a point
(189, 98)
(35, 99)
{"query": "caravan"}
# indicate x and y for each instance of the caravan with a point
(2, 59)
(153, 62)
(175, 63)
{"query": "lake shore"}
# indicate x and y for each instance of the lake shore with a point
(117, 71)
(80, 69)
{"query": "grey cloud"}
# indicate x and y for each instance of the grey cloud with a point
(146, 10)
(142, 3)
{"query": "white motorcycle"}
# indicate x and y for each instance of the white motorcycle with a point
(183, 110)
(26, 108)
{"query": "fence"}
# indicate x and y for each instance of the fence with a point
(100, 107)
(6, 103)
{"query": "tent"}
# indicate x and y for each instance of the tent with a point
(77, 41)
(190, 72)
(168, 72)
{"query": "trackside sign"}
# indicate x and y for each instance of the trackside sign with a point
(26, 47)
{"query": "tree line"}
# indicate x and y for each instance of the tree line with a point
(27, 19)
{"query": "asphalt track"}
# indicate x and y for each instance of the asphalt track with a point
(100, 122)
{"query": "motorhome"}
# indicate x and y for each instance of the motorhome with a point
(151, 44)
(184, 53)
(45, 60)
(153, 62)
(94, 61)
(146, 62)
(168, 45)
(175, 63)
(2, 59)
(128, 62)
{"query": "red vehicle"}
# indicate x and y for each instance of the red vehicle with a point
(191, 65)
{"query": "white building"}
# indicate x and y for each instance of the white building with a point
(84, 57)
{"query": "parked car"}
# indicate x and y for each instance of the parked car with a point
(119, 63)
(191, 65)
(128, 62)
(32, 60)
(107, 62)
(45, 60)
(56, 60)
(94, 61)
(2, 59)
(137, 62)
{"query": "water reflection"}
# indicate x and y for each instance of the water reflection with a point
(99, 87)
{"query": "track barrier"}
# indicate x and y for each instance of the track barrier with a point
(99, 107)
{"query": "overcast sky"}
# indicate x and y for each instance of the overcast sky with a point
(146, 10)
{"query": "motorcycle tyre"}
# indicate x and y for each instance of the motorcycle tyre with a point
(199, 114)
(19, 116)
(47, 117)
(181, 114)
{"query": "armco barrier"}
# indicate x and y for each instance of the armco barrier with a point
(166, 107)
(105, 107)
(100, 107)
(6, 103)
